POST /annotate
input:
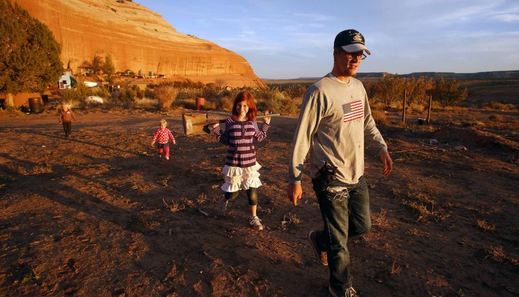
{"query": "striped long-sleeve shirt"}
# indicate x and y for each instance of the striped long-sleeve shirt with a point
(163, 135)
(239, 138)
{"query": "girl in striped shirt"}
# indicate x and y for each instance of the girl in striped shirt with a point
(162, 136)
(241, 169)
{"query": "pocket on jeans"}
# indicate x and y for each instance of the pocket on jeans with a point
(336, 196)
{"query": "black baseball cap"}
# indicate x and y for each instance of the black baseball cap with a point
(351, 41)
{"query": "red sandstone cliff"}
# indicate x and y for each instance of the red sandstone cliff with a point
(137, 39)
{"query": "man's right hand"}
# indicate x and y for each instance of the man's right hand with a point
(295, 193)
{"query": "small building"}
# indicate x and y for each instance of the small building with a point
(66, 81)
(85, 69)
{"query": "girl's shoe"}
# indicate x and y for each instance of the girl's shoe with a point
(167, 158)
(255, 222)
(225, 205)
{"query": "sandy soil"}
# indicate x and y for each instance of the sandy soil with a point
(100, 215)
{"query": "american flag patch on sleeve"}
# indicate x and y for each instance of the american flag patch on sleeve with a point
(352, 110)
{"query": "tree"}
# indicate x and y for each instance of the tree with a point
(29, 54)
(447, 91)
(97, 64)
(390, 89)
(108, 66)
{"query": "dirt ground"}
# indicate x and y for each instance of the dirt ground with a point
(100, 214)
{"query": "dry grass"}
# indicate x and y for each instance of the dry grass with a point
(416, 232)
(421, 204)
(496, 253)
(484, 225)
(146, 103)
(499, 106)
(290, 219)
(416, 108)
(380, 117)
(497, 118)
(395, 268)
(380, 219)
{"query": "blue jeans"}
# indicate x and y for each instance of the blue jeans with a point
(345, 214)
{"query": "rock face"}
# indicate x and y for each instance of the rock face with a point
(137, 39)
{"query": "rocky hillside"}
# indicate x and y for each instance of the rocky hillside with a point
(137, 39)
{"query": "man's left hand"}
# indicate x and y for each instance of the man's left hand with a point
(388, 163)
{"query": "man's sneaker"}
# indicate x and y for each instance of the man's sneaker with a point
(321, 255)
(255, 222)
(350, 292)
(167, 158)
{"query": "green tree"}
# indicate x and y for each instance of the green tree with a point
(29, 54)
(108, 66)
(416, 90)
(390, 89)
(448, 91)
(97, 64)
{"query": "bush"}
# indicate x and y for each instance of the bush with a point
(166, 95)
(224, 103)
(127, 97)
(415, 107)
(380, 117)
(277, 101)
(377, 105)
(448, 91)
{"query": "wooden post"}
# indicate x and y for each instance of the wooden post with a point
(404, 106)
(429, 110)
(9, 100)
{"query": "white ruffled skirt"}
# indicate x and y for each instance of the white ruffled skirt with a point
(237, 178)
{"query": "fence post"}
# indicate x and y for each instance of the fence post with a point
(404, 106)
(429, 110)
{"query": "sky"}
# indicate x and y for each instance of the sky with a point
(292, 39)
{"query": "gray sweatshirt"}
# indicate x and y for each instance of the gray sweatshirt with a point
(335, 117)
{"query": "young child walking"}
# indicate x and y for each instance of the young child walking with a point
(66, 116)
(163, 136)
(241, 169)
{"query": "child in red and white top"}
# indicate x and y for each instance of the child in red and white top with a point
(162, 137)
(66, 116)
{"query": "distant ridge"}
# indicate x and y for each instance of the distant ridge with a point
(508, 74)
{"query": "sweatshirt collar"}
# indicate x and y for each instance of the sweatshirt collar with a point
(347, 83)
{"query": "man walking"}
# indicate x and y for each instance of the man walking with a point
(335, 119)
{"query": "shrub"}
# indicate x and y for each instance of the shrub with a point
(416, 107)
(277, 101)
(224, 103)
(448, 91)
(380, 117)
(166, 95)
(377, 105)
(126, 98)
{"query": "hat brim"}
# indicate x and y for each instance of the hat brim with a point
(357, 47)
